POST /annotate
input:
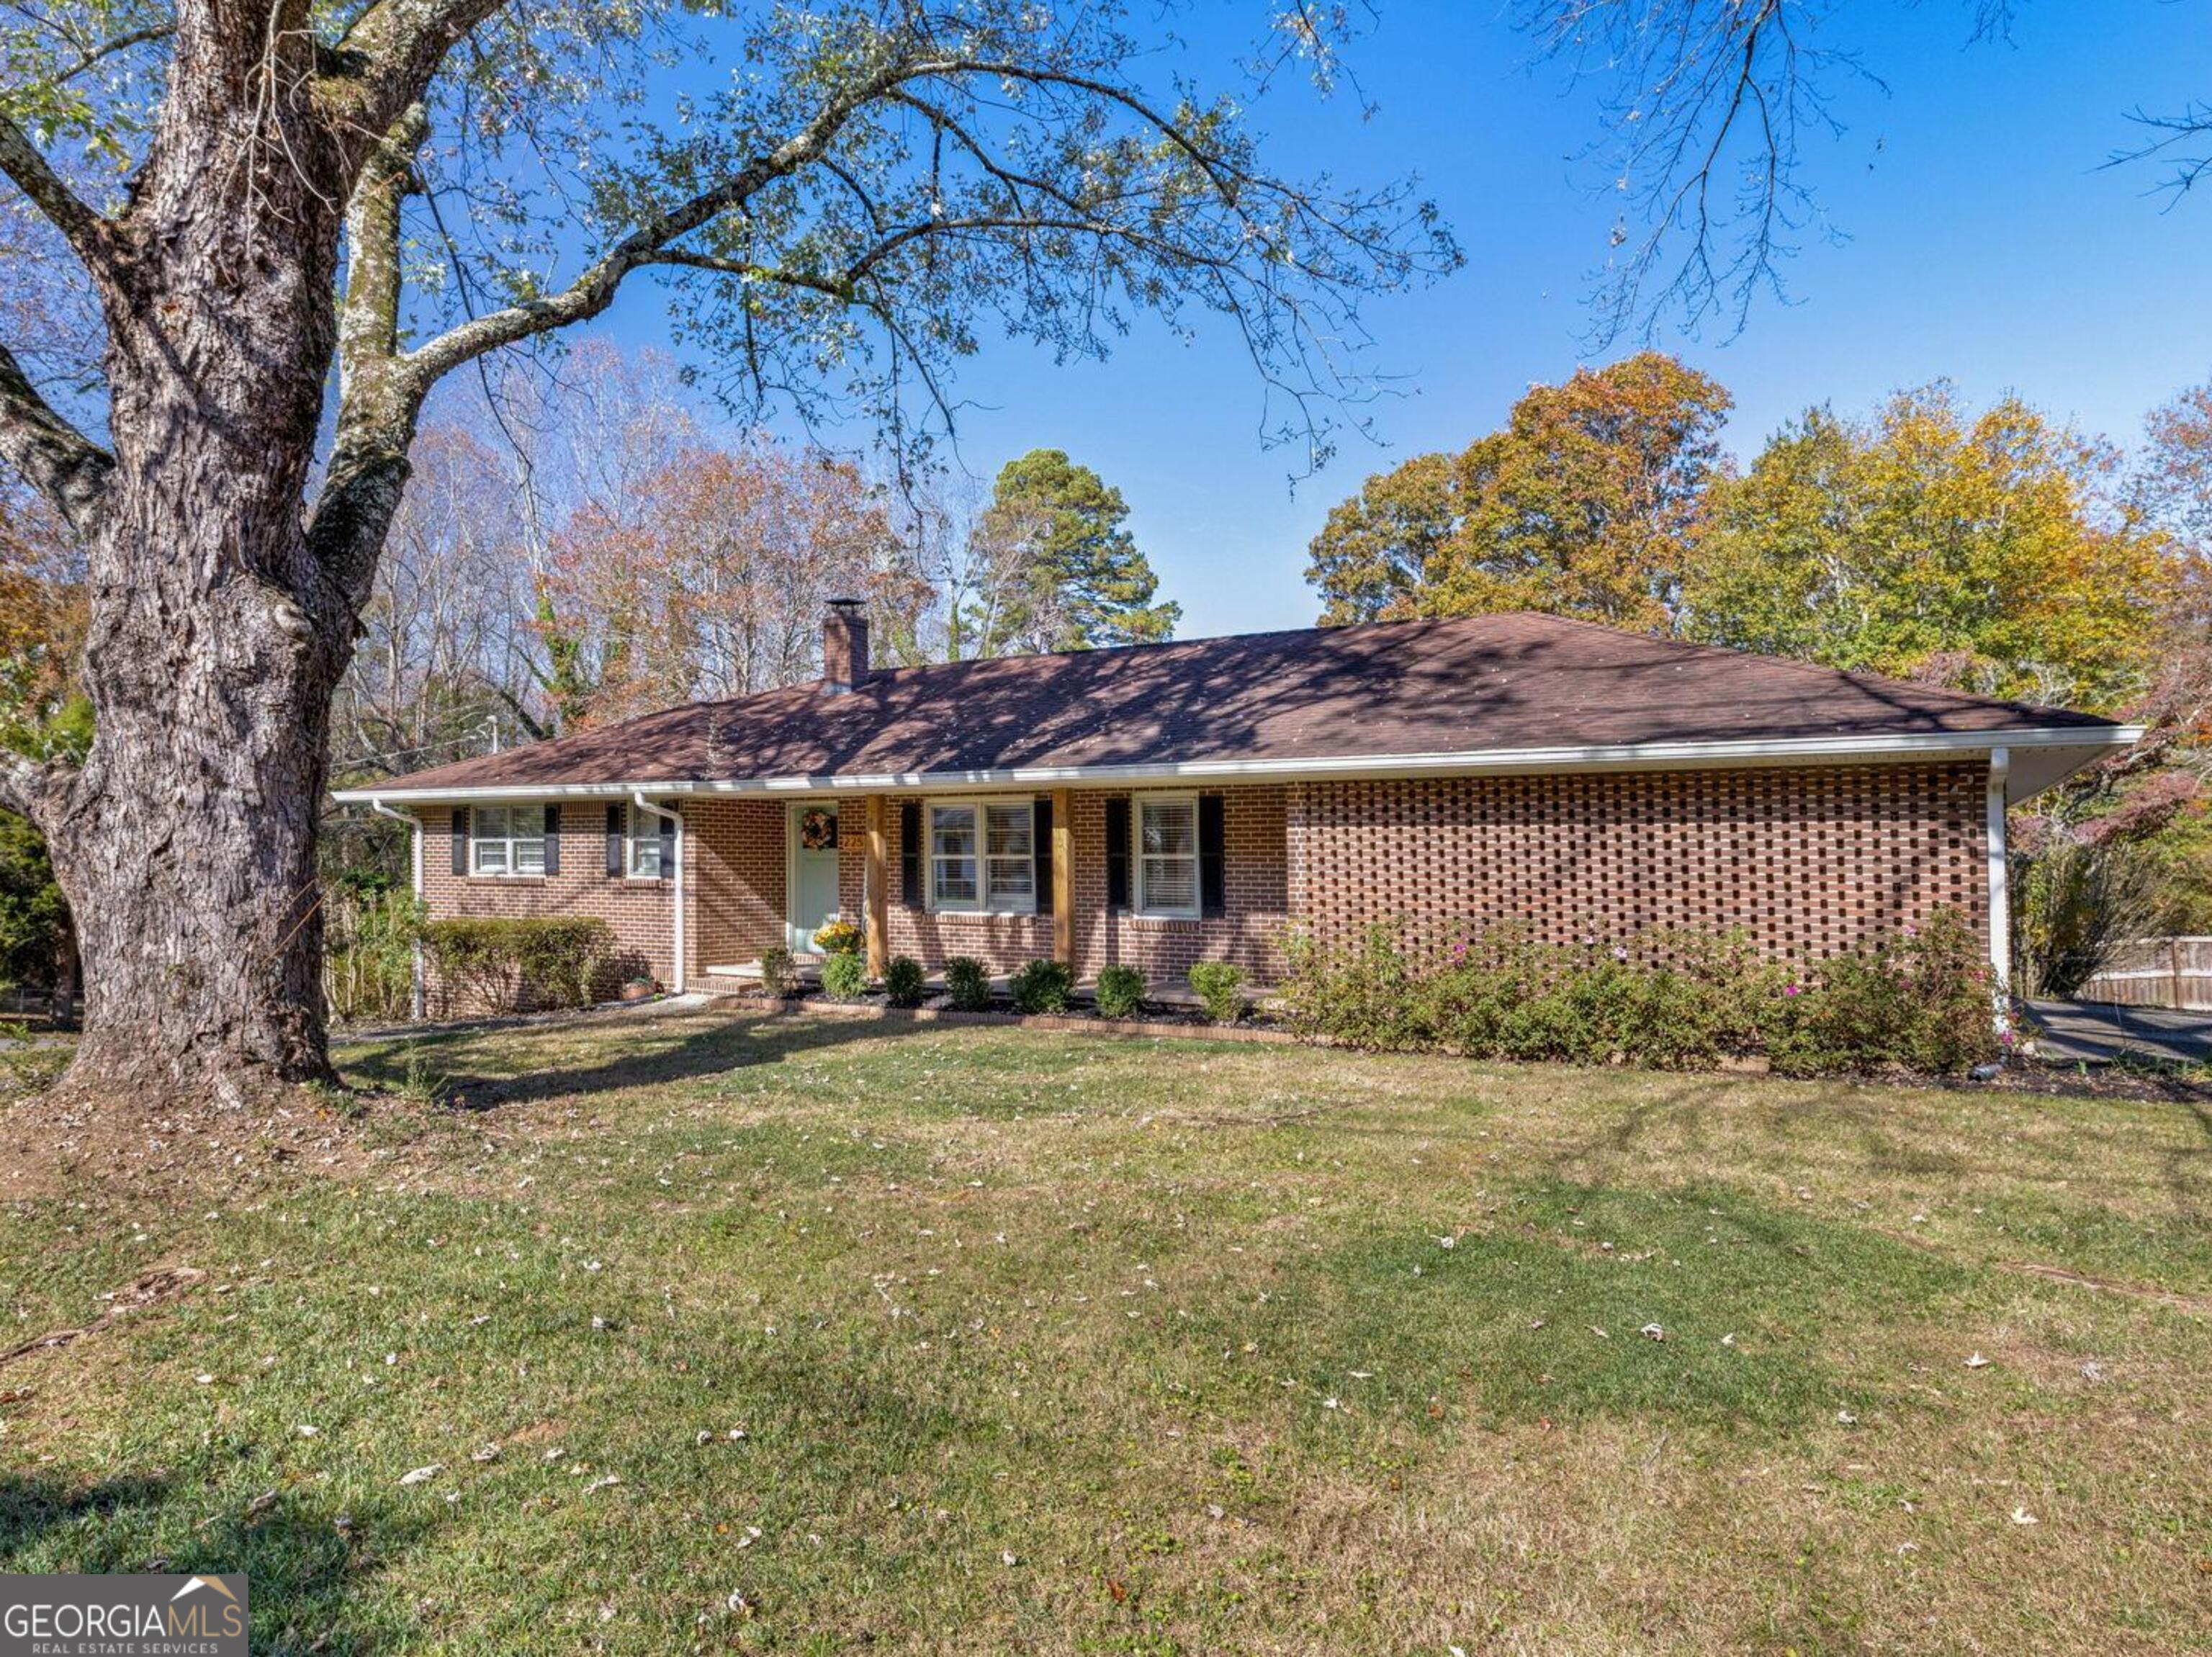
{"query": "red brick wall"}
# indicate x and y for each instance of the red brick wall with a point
(640, 912)
(734, 889)
(1250, 934)
(1808, 862)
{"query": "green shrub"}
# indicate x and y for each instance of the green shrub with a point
(1041, 987)
(779, 977)
(845, 977)
(1220, 989)
(509, 963)
(1120, 992)
(968, 983)
(1925, 999)
(369, 935)
(903, 981)
(1669, 999)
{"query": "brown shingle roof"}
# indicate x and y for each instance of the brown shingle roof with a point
(1480, 684)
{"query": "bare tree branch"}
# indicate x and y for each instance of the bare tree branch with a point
(52, 455)
(90, 235)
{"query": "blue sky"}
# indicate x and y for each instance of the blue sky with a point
(1981, 242)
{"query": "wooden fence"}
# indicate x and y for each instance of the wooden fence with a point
(2157, 972)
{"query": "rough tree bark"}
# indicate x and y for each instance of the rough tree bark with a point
(185, 843)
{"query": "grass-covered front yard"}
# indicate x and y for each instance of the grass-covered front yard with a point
(815, 1336)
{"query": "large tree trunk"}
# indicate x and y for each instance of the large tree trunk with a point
(186, 845)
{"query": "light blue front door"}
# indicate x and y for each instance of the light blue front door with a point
(813, 874)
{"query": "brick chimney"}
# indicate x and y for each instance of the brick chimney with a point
(844, 646)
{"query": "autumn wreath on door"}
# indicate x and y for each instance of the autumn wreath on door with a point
(817, 828)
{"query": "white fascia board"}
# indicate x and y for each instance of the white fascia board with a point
(1646, 756)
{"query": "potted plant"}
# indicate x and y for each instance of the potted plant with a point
(839, 938)
(639, 989)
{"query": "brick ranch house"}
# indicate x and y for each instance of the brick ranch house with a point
(1165, 804)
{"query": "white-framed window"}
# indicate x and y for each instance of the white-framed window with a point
(1167, 855)
(641, 852)
(983, 855)
(507, 840)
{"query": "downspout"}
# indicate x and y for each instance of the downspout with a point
(415, 993)
(2000, 878)
(683, 865)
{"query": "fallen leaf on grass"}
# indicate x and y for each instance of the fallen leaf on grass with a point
(424, 1475)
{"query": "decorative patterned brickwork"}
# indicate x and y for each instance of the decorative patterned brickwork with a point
(639, 911)
(1809, 863)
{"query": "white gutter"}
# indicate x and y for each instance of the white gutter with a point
(2000, 881)
(415, 993)
(682, 863)
(1645, 756)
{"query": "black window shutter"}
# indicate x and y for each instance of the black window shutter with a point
(1117, 853)
(1041, 851)
(1212, 847)
(460, 839)
(552, 839)
(910, 853)
(614, 839)
(668, 848)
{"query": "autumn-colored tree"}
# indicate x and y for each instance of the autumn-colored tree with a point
(711, 583)
(1064, 571)
(1984, 549)
(1586, 505)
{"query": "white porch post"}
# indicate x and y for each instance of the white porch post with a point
(2000, 885)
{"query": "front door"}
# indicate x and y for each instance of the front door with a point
(812, 875)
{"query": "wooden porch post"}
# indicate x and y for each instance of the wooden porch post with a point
(877, 901)
(1063, 878)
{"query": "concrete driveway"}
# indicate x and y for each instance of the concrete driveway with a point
(2074, 1030)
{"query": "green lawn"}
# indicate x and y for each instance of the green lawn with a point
(958, 1340)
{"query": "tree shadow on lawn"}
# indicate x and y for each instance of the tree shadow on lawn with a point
(472, 1077)
(306, 1579)
(1751, 1330)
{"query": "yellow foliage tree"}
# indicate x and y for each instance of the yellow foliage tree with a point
(1984, 550)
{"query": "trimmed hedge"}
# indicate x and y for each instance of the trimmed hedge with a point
(511, 963)
(1669, 999)
(968, 983)
(1041, 986)
(1120, 992)
(903, 981)
(844, 977)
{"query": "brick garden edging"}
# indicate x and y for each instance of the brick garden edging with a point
(864, 1012)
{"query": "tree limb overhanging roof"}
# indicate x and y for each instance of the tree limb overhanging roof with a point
(1422, 692)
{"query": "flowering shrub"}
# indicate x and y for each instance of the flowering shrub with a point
(1670, 999)
(839, 938)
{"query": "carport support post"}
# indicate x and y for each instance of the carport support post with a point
(874, 900)
(1063, 877)
(2000, 877)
